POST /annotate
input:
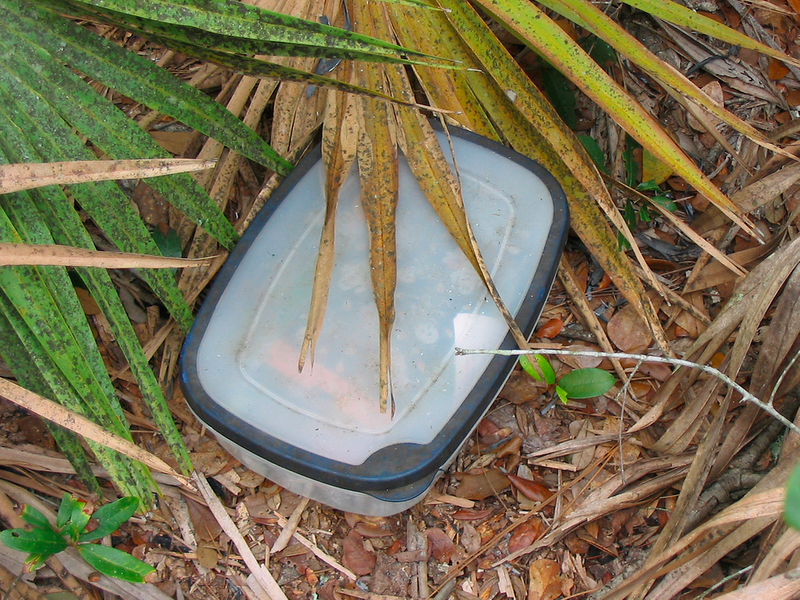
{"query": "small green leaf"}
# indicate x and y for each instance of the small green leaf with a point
(631, 164)
(547, 369)
(64, 511)
(630, 214)
(39, 541)
(600, 50)
(35, 518)
(528, 367)
(71, 517)
(170, 244)
(562, 394)
(110, 517)
(665, 202)
(791, 507)
(115, 563)
(586, 383)
(593, 150)
(648, 186)
(561, 96)
(623, 242)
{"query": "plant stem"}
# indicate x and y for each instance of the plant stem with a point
(765, 406)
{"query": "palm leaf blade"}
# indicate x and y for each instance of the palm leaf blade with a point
(138, 78)
(538, 31)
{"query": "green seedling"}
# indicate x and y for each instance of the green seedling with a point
(633, 213)
(575, 385)
(791, 507)
(43, 540)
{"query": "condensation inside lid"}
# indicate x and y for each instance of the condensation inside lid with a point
(247, 359)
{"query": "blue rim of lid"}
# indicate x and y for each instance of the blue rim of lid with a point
(403, 471)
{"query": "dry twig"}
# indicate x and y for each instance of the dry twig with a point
(765, 406)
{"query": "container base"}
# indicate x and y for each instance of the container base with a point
(347, 500)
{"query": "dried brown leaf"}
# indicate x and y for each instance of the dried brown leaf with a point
(482, 485)
(628, 332)
(68, 256)
(781, 336)
(550, 329)
(524, 535)
(440, 546)
(355, 557)
(339, 139)
(544, 580)
(25, 176)
(752, 196)
(532, 490)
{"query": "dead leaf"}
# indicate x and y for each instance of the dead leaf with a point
(581, 362)
(628, 332)
(207, 556)
(657, 371)
(355, 557)
(751, 196)
(714, 91)
(511, 448)
(378, 170)
(781, 336)
(545, 580)
(530, 489)
(370, 527)
(472, 515)
(487, 427)
(88, 303)
(550, 329)
(206, 528)
(715, 274)
(25, 176)
(339, 137)
(440, 546)
(470, 538)
(524, 535)
(482, 485)
(580, 430)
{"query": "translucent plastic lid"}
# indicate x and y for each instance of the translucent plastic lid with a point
(241, 359)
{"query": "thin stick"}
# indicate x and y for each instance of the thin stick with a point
(79, 424)
(317, 551)
(622, 394)
(290, 527)
(262, 575)
(646, 358)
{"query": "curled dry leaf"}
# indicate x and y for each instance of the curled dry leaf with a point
(472, 515)
(478, 486)
(511, 448)
(530, 489)
(550, 329)
(370, 527)
(440, 546)
(355, 556)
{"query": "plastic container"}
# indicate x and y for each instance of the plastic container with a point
(320, 433)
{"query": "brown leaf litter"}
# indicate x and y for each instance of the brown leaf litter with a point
(669, 490)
